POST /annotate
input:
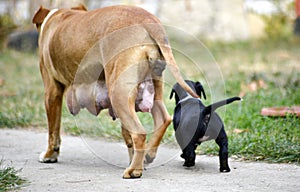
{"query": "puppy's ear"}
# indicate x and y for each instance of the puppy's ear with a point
(200, 90)
(171, 94)
(176, 96)
(39, 16)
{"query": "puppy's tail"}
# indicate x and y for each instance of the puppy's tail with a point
(211, 108)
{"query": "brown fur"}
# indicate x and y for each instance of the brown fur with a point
(70, 35)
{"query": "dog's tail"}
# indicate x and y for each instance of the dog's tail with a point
(209, 109)
(158, 34)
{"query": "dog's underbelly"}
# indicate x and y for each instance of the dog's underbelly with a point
(145, 96)
(94, 97)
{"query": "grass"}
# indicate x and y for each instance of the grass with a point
(9, 178)
(225, 69)
(21, 92)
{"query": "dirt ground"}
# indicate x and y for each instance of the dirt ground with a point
(96, 165)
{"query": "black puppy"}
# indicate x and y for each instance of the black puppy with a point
(195, 123)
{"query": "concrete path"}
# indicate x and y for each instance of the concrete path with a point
(96, 165)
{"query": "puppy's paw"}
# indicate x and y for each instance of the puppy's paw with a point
(52, 159)
(224, 169)
(189, 163)
(183, 156)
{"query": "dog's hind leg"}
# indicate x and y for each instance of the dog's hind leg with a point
(129, 143)
(123, 93)
(161, 120)
(53, 103)
(222, 141)
(132, 130)
(189, 155)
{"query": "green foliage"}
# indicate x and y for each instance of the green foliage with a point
(21, 93)
(7, 25)
(277, 26)
(9, 179)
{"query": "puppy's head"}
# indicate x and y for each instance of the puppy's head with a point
(180, 93)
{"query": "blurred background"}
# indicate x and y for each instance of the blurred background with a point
(249, 48)
(226, 20)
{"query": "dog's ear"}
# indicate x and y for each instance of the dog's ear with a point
(171, 94)
(39, 16)
(176, 96)
(200, 90)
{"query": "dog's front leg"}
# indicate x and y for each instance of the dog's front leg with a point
(53, 104)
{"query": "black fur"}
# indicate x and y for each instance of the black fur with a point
(195, 123)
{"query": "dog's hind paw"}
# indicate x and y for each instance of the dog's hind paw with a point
(150, 155)
(189, 164)
(132, 174)
(44, 159)
(182, 156)
(149, 159)
(224, 169)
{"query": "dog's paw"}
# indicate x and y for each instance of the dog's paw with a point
(132, 174)
(149, 159)
(189, 163)
(150, 155)
(51, 159)
(183, 156)
(224, 169)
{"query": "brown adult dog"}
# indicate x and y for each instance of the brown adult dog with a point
(112, 58)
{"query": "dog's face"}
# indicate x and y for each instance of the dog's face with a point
(180, 93)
